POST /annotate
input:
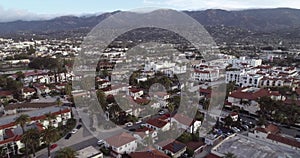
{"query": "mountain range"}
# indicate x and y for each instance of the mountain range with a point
(285, 21)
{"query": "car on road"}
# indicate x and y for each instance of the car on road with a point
(128, 124)
(100, 142)
(161, 112)
(74, 131)
(68, 136)
(138, 122)
(53, 146)
(78, 126)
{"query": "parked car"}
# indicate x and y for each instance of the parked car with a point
(138, 122)
(128, 124)
(161, 112)
(100, 142)
(74, 131)
(53, 146)
(78, 126)
(68, 136)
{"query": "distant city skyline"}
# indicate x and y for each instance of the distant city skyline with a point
(36, 10)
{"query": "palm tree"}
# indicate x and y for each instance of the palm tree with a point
(49, 135)
(32, 138)
(66, 153)
(22, 121)
(49, 118)
(229, 155)
(59, 103)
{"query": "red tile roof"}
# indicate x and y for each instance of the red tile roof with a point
(148, 154)
(269, 129)
(5, 93)
(185, 120)
(284, 140)
(194, 145)
(15, 138)
(7, 125)
(240, 94)
(212, 156)
(159, 123)
(120, 140)
(174, 146)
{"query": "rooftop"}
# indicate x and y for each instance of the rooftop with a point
(246, 147)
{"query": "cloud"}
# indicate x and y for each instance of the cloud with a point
(221, 4)
(8, 15)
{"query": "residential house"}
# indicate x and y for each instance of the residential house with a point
(121, 144)
(158, 124)
(172, 147)
(186, 123)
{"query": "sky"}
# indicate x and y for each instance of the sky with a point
(11, 10)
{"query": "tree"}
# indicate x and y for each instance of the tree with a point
(50, 117)
(229, 155)
(66, 153)
(22, 120)
(59, 103)
(20, 76)
(32, 138)
(49, 135)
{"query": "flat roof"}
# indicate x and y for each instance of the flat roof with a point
(247, 147)
(89, 151)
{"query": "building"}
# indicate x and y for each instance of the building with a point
(205, 73)
(186, 123)
(89, 152)
(11, 133)
(149, 154)
(246, 98)
(243, 61)
(172, 147)
(121, 144)
(158, 124)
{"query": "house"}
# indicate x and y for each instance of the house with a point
(234, 116)
(121, 144)
(144, 134)
(172, 147)
(135, 92)
(196, 146)
(246, 98)
(212, 139)
(207, 74)
(284, 141)
(264, 131)
(42, 89)
(186, 123)
(6, 95)
(89, 152)
(23, 107)
(148, 154)
(158, 124)
(11, 133)
(28, 92)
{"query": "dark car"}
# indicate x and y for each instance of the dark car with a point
(68, 136)
(79, 126)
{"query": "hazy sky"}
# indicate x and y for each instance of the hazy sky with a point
(44, 9)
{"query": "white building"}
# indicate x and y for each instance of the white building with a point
(188, 124)
(244, 62)
(120, 144)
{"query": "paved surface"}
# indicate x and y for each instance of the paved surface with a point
(246, 147)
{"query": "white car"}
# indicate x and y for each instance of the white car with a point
(100, 142)
(138, 122)
(129, 124)
(74, 131)
(162, 112)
